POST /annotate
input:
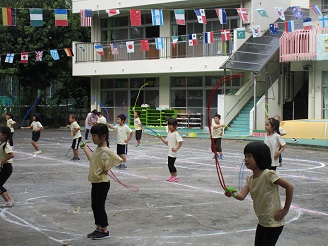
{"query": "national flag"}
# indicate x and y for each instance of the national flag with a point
(289, 25)
(209, 38)
(225, 35)
(54, 54)
(157, 17)
(10, 58)
(24, 57)
(114, 48)
(297, 11)
(192, 38)
(180, 16)
(144, 45)
(241, 33)
(323, 21)
(86, 17)
(36, 17)
(262, 12)
(68, 51)
(7, 17)
(159, 43)
(112, 12)
(307, 24)
(222, 15)
(201, 17)
(280, 12)
(61, 17)
(242, 14)
(274, 29)
(99, 49)
(316, 9)
(175, 40)
(130, 47)
(38, 55)
(256, 31)
(135, 17)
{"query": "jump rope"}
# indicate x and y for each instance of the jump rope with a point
(219, 83)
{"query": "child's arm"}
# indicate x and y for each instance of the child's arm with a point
(289, 196)
(87, 151)
(26, 127)
(238, 195)
(277, 154)
(161, 137)
(7, 157)
(129, 138)
(76, 130)
(111, 127)
(177, 148)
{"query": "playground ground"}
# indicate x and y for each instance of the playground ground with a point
(52, 196)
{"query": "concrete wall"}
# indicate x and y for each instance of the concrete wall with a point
(312, 129)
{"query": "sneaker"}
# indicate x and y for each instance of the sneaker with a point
(8, 204)
(214, 156)
(171, 179)
(119, 166)
(38, 152)
(124, 166)
(176, 179)
(101, 235)
(221, 157)
(92, 234)
(75, 158)
(138, 145)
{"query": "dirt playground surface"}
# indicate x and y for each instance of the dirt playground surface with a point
(53, 205)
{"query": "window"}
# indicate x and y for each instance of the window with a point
(325, 94)
(324, 5)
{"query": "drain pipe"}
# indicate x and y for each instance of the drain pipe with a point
(255, 109)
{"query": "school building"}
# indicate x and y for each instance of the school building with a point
(180, 76)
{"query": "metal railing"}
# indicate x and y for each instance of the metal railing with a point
(85, 52)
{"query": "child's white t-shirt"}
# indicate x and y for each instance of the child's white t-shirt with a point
(173, 139)
(274, 142)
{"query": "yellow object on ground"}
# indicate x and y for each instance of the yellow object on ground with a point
(307, 128)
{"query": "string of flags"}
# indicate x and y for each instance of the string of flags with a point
(61, 15)
(24, 56)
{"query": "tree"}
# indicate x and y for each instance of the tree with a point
(22, 37)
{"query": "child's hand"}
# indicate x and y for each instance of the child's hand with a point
(276, 155)
(280, 214)
(228, 193)
(175, 149)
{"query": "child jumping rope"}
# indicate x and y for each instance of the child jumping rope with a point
(101, 161)
(10, 124)
(264, 188)
(37, 127)
(76, 135)
(174, 142)
(6, 167)
(124, 135)
(138, 127)
(274, 141)
(217, 131)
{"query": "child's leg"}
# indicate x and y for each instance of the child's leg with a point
(35, 145)
(5, 196)
(99, 193)
(86, 134)
(138, 136)
(123, 156)
(172, 169)
(5, 173)
(76, 153)
(267, 236)
(218, 146)
(11, 142)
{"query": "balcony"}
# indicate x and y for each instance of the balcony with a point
(85, 52)
(301, 45)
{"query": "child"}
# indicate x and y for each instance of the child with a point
(264, 188)
(101, 119)
(91, 118)
(274, 141)
(76, 135)
(6, 164)
(101, 161)
(10, 124)
(282, 133)
(138, 127)
(217, 131)
(174, 142)
(124, 135)
(37, 127)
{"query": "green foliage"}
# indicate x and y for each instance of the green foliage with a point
(35, 76)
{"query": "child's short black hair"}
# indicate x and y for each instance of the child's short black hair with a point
(9, 114)
(217, 115)
(138, 113)
(122, 117)
(172, 121)
(261, 154)
(5, 130)
(73, 116)
(94, 111)
(100, 113)
(37, 116)
(100, 129)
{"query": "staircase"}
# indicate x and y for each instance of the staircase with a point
(239, 127)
